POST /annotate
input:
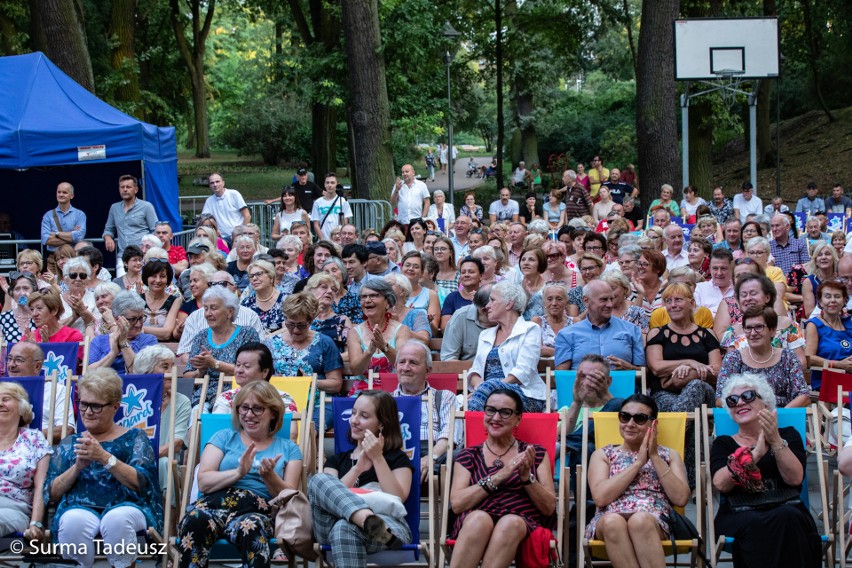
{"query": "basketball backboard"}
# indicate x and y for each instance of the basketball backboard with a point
(714, 48)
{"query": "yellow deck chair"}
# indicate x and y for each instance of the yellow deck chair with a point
(297, 387)
(671, 433)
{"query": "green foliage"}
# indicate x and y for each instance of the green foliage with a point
(273, 127)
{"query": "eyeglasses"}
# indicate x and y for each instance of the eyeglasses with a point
(643, 264)
(17, 360)
(255, 275)
(77, 275)
(23, 262)
(135, 321)
(254, 410)
(222, 283)
(746, 396)
(92, 407)
(490, 411)
(740, 261)
(759, 328)
(588, 268)
(554, 256)
(292, 326)
(371, 297)
(639, 418)
(440, 249)
(588, 248)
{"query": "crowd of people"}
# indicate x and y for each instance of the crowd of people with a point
(722, 301)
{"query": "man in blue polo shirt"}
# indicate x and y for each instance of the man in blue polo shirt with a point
(620, 342)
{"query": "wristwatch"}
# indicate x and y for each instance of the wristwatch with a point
(216, 365)
(125, 345)
(530, 480)
(111, 462)
(37, 524)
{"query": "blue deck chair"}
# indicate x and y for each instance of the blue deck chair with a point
(222, 550)
(409, 409)
(35, 392)
(724, 425)
(623, 385)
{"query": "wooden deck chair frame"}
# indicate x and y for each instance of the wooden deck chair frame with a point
(800, 418)
(559, 544)
(832, 381)
(839, 494)
(671, 433)
(425, 546)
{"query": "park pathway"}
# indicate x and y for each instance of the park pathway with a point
(462, 182)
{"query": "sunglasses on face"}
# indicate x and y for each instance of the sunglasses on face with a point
(746, 396)
(77, 275)
(639, 418)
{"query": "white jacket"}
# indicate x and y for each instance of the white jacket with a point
(519, 355)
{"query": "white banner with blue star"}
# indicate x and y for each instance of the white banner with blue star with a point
(141, 403)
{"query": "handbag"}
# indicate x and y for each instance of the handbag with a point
(681, 528)
(293, 524)
(774, 494)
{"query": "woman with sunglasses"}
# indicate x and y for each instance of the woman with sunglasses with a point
(241, 469)
(118, 348)
(635, 486)
(759, 471)
(28, 261)
(341, 517)
(290, 211)
(751, 290)
(502, 489)
(78, 303)
(778, 365)
(447, 281)
(17, 321)
(557, 270)
(828, 336)
(104, 480)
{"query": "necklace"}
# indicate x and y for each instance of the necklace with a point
(269, 297)
(771, 353)
(498, 462)
(837, 326)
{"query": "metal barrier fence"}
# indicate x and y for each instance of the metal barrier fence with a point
(369, 214)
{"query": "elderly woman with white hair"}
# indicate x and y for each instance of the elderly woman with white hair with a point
(488, 256)
(622, 307)
(246, 249)
(199, 281)
(759, 472)
(105, 293)
(413, 318)
(148, 242)
(214, 350)
(444, 215)
(507, 355)
(554, 319)
(78, 303)
(292, 247)
(118, 349)
(345, 302)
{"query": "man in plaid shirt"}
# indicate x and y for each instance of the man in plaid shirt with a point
(413, 363)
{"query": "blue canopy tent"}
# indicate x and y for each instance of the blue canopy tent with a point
(54, 130)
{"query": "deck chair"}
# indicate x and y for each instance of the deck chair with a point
(671, 433)
(441, 381)
(35, 387)
(222, 551)
(623, 385)
(409, 409)
(831, 416)
(795, 417)
(299, 388)
(543, 429)
(840, 492)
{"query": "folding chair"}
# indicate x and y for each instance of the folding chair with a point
(671, 433)
(441, 381)
(787, 417)
(543, 429)
(409, 410)
(832, 414)
(623, 385)
(299, 388)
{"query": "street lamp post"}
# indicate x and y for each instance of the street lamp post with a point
(452, 35)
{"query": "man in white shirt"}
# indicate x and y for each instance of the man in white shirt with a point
(410, 196)
(746, 203)
(712, 293)
(25, 360)
(461, 247)
(519, 176)
(196, 322)
(674, 253)
(504, 209)
(330, 210)
(227, 206)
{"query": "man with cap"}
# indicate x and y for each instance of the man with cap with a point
(810, 203)
(306, 190)
(227, 206)
(377, 260)
(747, 203)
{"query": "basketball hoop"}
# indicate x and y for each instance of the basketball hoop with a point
(729, 82)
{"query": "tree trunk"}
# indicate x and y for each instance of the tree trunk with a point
(324, 139)
(193, 56)
(656, 103)
(61, 34)
(498, 63)
(368, 91)
(122, 30)
(701, 147)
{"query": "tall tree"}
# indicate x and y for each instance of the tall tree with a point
(123, 59)
(369, 119)
(656, 104)
(193, 55)
(59, 31)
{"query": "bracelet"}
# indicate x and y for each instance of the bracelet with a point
(784, 444)
(484, 483)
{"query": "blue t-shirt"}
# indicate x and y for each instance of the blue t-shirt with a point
(230, 443)
(453, 302)
(99, 348)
